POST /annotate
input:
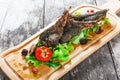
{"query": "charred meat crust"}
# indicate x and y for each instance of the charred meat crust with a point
(51, 36)
(68, 25)
(91, 17)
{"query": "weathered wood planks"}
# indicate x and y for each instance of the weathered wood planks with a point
(114, 47)
(24, 18)
(99, 66)
(22, 22)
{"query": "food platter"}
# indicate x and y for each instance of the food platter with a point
(18, 71)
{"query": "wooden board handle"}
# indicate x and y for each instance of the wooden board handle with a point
(113, 6)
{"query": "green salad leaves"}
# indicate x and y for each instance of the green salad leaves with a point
(32, 59)
(60, 53)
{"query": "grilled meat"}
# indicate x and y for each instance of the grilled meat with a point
(74, 27)
(68, 26)
(70, 30)
(91, 17)
(51, 36)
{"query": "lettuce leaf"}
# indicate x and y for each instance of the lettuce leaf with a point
(78, 13)
(76, 39)
(105, 20)
(32, 59)
(60, 53)
(52, 64)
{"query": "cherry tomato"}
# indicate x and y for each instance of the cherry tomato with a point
(92, 11)
(34, 70)
(43, 53)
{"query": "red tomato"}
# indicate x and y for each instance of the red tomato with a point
(92, 11)
(43, 53)
(34, 70)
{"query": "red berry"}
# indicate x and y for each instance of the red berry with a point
(88, 11)
(34, 70)
(92, 11)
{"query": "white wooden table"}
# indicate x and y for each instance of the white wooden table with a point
(20, 19)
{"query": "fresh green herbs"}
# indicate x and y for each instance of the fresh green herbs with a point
(32, 59)
(82, 35)
(95, 28)
(76, 39)
(78, 13)
(60, 53)
(52, 64)
(105, 20)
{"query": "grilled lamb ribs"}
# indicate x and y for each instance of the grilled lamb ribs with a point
(90, 17)
(68, 25)
(51, 36)
(73, 28)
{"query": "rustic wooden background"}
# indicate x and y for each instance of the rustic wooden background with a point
(20, 19)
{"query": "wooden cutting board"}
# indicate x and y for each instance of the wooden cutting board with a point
(15, 67)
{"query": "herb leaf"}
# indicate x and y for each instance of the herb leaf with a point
(68, 46)
(78, 13)
(94, 29)
(105, 20)
(61, 52)
(52, 64)
(76, 39)
(32, 59)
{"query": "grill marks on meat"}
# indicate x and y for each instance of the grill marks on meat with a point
(86, 24)
(68, 26)
(70, 30)
(51, 36)
(74, 27)
(91, 17)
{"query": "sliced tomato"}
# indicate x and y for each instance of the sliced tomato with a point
(43, 53)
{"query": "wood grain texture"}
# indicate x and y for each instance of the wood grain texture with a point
(25, 18)
(88, 71)
(99, 66)
(22, 20)
(114, 47)
(77, 74)
(53, 10)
